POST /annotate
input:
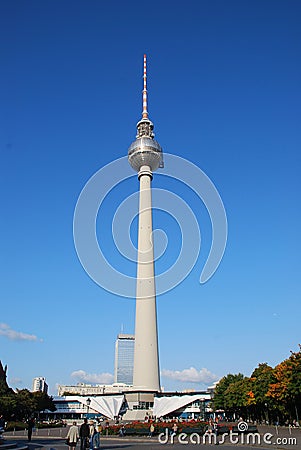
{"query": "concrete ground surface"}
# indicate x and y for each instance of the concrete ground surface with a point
(270, 437)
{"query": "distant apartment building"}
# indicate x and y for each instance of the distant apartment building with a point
(39, 385)
(124, 359)
(90, 389)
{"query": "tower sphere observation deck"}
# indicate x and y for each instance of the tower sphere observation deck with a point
(145, 151)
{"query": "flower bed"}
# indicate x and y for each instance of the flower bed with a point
(142, 428)
(17, 426)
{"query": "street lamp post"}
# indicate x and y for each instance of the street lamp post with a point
(88, 405)
(202, 409)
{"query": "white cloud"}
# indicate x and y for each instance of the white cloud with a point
(5, 330)
(15, 381)
(191, 375)
(98, 378)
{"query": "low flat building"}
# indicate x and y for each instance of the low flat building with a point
(129, 404)
(78, 407)
(90, 389)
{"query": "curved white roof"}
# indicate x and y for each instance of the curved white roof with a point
(166, 405)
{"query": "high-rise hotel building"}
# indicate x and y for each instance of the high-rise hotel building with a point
(39, 385)
(124, 359)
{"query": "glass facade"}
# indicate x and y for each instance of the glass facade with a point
(124, 359)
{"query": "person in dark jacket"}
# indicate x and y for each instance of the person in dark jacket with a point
(84, 433)
(30, 428)
(2, 422)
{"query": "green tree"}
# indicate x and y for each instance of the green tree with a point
(294, 387)
(269, 394)
(285, 391)
(8, 406)
(219, 400)
(4, 388)
(239, 398)
(262, 377)
(26, 404)
(42, 401)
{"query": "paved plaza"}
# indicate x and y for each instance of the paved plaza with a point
(54, 439)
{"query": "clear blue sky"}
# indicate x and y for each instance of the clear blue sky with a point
(224, 92)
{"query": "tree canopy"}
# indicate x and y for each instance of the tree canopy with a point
(22, 404)
(269, 394)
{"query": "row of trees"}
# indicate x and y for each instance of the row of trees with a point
(269, 394)
(22, 404)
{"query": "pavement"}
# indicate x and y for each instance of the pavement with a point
(269, 437)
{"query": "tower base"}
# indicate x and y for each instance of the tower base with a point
(140, 405)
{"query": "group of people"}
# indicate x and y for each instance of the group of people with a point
(88, 433)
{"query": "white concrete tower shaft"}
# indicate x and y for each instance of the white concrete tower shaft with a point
(146, 357)
(145, 156)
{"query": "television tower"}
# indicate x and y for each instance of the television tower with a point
(145, 156)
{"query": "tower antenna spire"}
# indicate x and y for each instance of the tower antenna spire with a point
(144, 92)
(145, 129)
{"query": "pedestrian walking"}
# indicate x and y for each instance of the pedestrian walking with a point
(107, 426)
(72, 436)
(210, 426)
(84, 433)
(122, 431)
(30, 428)
(2, 422)
(92, 432)
(174, 429)
(151, 430)
(96, 437)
